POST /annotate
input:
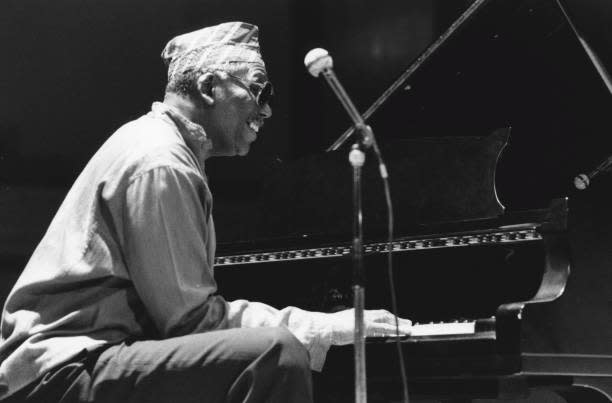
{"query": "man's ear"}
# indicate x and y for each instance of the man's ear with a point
(205, 86)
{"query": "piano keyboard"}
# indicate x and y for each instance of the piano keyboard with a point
(511, 235)
(472, 329)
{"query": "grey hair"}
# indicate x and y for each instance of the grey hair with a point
(184, 82)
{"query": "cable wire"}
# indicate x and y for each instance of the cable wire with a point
(390, 222)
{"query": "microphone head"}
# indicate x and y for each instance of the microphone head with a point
(581, 182)
(318, 60)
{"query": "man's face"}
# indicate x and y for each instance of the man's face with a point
(236, 117)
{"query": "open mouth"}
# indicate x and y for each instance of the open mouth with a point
(255, 124)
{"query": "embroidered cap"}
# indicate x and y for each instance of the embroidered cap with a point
(214, 46)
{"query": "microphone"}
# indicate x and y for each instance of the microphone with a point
(319, 61)
(582, 181)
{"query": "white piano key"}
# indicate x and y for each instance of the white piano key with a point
(440, 329)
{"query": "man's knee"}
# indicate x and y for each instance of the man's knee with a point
(279, 372)
(292, 376)
(292, 353)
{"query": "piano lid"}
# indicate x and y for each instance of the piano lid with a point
(436, 179)
(506, 63)
(517, 64)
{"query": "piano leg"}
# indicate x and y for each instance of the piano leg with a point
(509, 389)
(576, 390)
(588, 389)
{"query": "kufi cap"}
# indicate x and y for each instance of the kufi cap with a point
(230, 42)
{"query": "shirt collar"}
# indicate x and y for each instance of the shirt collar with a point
(194, 135)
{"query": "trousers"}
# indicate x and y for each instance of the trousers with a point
(233, 365)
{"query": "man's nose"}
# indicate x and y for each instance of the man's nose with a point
(265, 111)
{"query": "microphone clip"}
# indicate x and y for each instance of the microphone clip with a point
(367, 135)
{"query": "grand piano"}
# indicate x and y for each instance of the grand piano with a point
(491, 263)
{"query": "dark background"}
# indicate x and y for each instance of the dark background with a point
(73, 71)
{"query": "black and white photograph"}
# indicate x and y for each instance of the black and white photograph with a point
(306, 201)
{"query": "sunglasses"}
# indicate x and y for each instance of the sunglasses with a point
(262, 93)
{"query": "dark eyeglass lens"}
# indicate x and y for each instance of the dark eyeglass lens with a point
(265, 94)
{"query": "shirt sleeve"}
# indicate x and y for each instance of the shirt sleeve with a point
(168, 236)
(313, 329)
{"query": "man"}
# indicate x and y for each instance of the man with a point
(118, 301)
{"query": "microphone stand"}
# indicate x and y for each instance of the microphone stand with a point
(357, 160)
(318, 61)
(599, 66)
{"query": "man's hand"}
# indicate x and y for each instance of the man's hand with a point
(378, 323)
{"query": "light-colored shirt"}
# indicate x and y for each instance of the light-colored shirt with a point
(131, 249)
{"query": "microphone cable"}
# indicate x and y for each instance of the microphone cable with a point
(390, 223)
